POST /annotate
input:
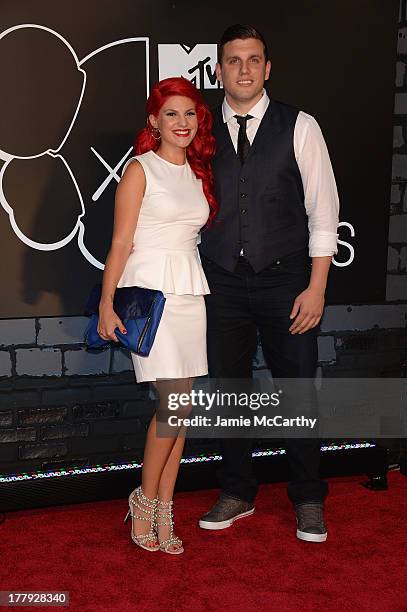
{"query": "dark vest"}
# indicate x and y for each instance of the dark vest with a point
(261, 204)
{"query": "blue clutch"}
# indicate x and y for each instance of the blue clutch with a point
(139, 309)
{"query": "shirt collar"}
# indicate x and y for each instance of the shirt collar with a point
(257, 111)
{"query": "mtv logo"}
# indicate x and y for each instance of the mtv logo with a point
(197, 63)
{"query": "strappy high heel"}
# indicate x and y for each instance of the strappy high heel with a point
(164, 516)
(143, 509)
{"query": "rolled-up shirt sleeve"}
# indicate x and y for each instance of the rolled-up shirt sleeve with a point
(320, 192)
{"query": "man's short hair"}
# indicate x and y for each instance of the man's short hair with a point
(241, 32)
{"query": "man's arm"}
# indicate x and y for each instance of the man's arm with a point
(309, 305)
(322, 207)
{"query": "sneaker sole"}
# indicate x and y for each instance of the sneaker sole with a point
(223, 524)
(311, 537)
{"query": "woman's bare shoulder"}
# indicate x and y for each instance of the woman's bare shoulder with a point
(134, 172)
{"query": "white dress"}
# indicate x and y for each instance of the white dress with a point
(165, 257)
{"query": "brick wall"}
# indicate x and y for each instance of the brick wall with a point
(61, 405)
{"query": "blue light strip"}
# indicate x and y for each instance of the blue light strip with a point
(136, 466)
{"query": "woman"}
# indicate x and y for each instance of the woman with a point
(164, 198)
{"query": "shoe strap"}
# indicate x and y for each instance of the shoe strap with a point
(164, 504)
(139, 503)
(165, 518)
(145, 537)
(148, 514)
(143, 503)
(164, 513)
(143, 499)
(170, 541)
(140, 518)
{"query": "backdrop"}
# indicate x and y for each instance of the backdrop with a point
(74, 79)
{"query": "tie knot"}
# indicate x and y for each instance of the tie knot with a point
(242, 120)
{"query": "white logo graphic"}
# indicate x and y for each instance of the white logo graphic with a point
(112, 172)
(347, 245)
(197, 63)
(54, 151)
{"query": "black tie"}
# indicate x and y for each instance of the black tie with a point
(243, 144)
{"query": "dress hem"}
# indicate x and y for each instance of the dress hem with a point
(172, 376)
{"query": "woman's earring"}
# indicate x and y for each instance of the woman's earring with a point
(154, 131)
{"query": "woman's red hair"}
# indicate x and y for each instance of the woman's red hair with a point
(202, 148)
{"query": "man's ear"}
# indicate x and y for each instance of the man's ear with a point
(218, 70)
(268, 70)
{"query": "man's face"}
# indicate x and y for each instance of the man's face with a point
(243, 71)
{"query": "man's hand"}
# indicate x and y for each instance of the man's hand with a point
(307, 310)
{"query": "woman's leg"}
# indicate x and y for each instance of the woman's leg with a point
(162, 454)
(171, 468)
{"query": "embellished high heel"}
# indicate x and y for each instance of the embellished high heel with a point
(143, 509)
(164, 516)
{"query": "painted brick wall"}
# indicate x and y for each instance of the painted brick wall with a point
(61, 405)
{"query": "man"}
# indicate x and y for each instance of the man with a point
(278, 211)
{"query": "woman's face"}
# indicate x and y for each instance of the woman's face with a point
(177, 121)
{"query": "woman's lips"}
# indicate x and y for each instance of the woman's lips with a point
(182, 133)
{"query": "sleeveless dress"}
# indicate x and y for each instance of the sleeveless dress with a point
(165, 257)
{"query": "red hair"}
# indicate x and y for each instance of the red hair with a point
(202, 148)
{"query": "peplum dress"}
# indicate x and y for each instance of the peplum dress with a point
(165, 257)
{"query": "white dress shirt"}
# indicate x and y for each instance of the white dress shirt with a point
(321, 196)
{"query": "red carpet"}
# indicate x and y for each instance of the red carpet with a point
(258, 564)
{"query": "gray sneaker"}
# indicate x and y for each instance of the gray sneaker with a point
(225, 512)
(310, 522)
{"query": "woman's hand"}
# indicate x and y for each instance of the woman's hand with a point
(108, 321)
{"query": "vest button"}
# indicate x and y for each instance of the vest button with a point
(243, 195)
(242, 179)
(243, 211)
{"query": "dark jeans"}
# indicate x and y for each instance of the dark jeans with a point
(241, 304)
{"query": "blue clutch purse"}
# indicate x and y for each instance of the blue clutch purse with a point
(140, 310)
